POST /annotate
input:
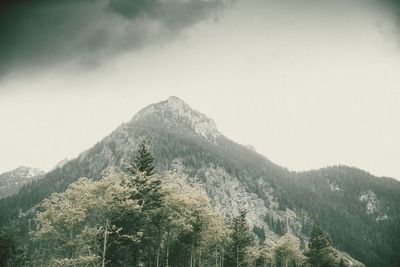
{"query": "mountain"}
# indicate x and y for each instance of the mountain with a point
(60, 164)
(360, 211)
(12, 181)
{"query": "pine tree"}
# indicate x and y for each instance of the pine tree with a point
(150, 197)
(144, 161)
(320, 252)
(240, 240)
(148, 185)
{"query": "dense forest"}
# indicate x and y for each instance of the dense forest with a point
(141, 219)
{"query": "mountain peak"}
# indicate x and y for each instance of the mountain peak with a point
(11, 181)
(176, 111)
(28, 172)
(175, 101)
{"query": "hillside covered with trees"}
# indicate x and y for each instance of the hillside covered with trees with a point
(138, 220)
(358, 210)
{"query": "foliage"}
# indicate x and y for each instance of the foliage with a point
(144, 161)
(240, 241)
(193, 228)
(287, 252)
(149, 195)
(320, 252)
(12, 252)
(73, 227)
(83, 226)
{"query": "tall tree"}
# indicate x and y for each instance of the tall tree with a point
(150, 197)
(240, 240)
(148, 184)
(287, 252)
(144, 161)
(320, 252)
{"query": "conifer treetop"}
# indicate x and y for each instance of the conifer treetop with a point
(144, 161)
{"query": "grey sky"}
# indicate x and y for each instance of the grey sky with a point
(308, 83)
(38, 34)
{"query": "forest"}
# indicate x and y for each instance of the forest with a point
(143, 218)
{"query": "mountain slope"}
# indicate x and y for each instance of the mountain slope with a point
(12, 181)
(360, 211)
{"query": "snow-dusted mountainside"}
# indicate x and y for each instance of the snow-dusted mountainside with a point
(365, 225)
(11, 182)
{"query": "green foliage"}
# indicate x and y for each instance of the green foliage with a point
(144, 161)
(287, 252)
(12, 252)
(149, 195)
(320, 252)
(99, 223)
(261, 255)
(73, 228)
(240, 241)
(194, 234)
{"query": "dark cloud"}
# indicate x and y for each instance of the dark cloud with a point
(394, 5)
(39, 33)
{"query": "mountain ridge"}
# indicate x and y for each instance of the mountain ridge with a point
(12, 181)
(236, 177)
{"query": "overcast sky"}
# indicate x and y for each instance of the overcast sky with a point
(308, 83)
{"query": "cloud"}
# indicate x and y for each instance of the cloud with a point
(37, 34)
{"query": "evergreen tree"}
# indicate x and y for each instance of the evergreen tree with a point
(144, 161)
(148, 186)
(320, 252)
(150, 196)
(240, 240)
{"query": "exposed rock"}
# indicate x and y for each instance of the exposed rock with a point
(11, 182)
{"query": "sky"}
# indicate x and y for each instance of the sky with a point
(308, 83)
